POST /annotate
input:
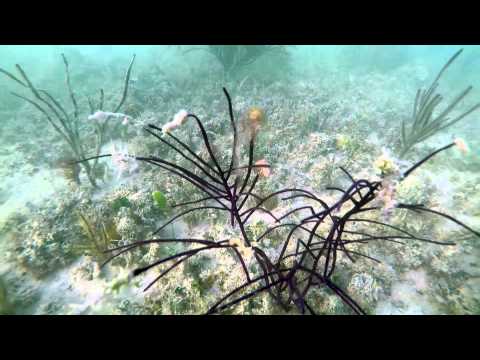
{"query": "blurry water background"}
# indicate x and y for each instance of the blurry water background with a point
(307, 61)
(404, 68)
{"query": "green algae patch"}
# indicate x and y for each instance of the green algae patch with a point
(160, 200)
(120, 202)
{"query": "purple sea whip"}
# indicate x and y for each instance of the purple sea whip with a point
(229, 188)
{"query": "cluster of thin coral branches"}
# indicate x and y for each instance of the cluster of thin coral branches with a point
(67, 123)
(424, 123)
(290, 277)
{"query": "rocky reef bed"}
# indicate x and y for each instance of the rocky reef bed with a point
(54, 231)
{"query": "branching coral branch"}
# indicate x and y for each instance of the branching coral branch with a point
(424, 123)
(67, 124)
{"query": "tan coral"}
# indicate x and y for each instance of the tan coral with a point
(263, 171)
(256, 115)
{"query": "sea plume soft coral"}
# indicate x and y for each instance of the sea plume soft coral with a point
(65, 122)
(229, 188)
(423, 123)
(359, 198)
(301, 265)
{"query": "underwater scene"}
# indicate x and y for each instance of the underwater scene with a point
(240, 179)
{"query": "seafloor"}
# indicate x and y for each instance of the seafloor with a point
(50, 258)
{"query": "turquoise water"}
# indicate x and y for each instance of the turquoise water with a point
(311, 112)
